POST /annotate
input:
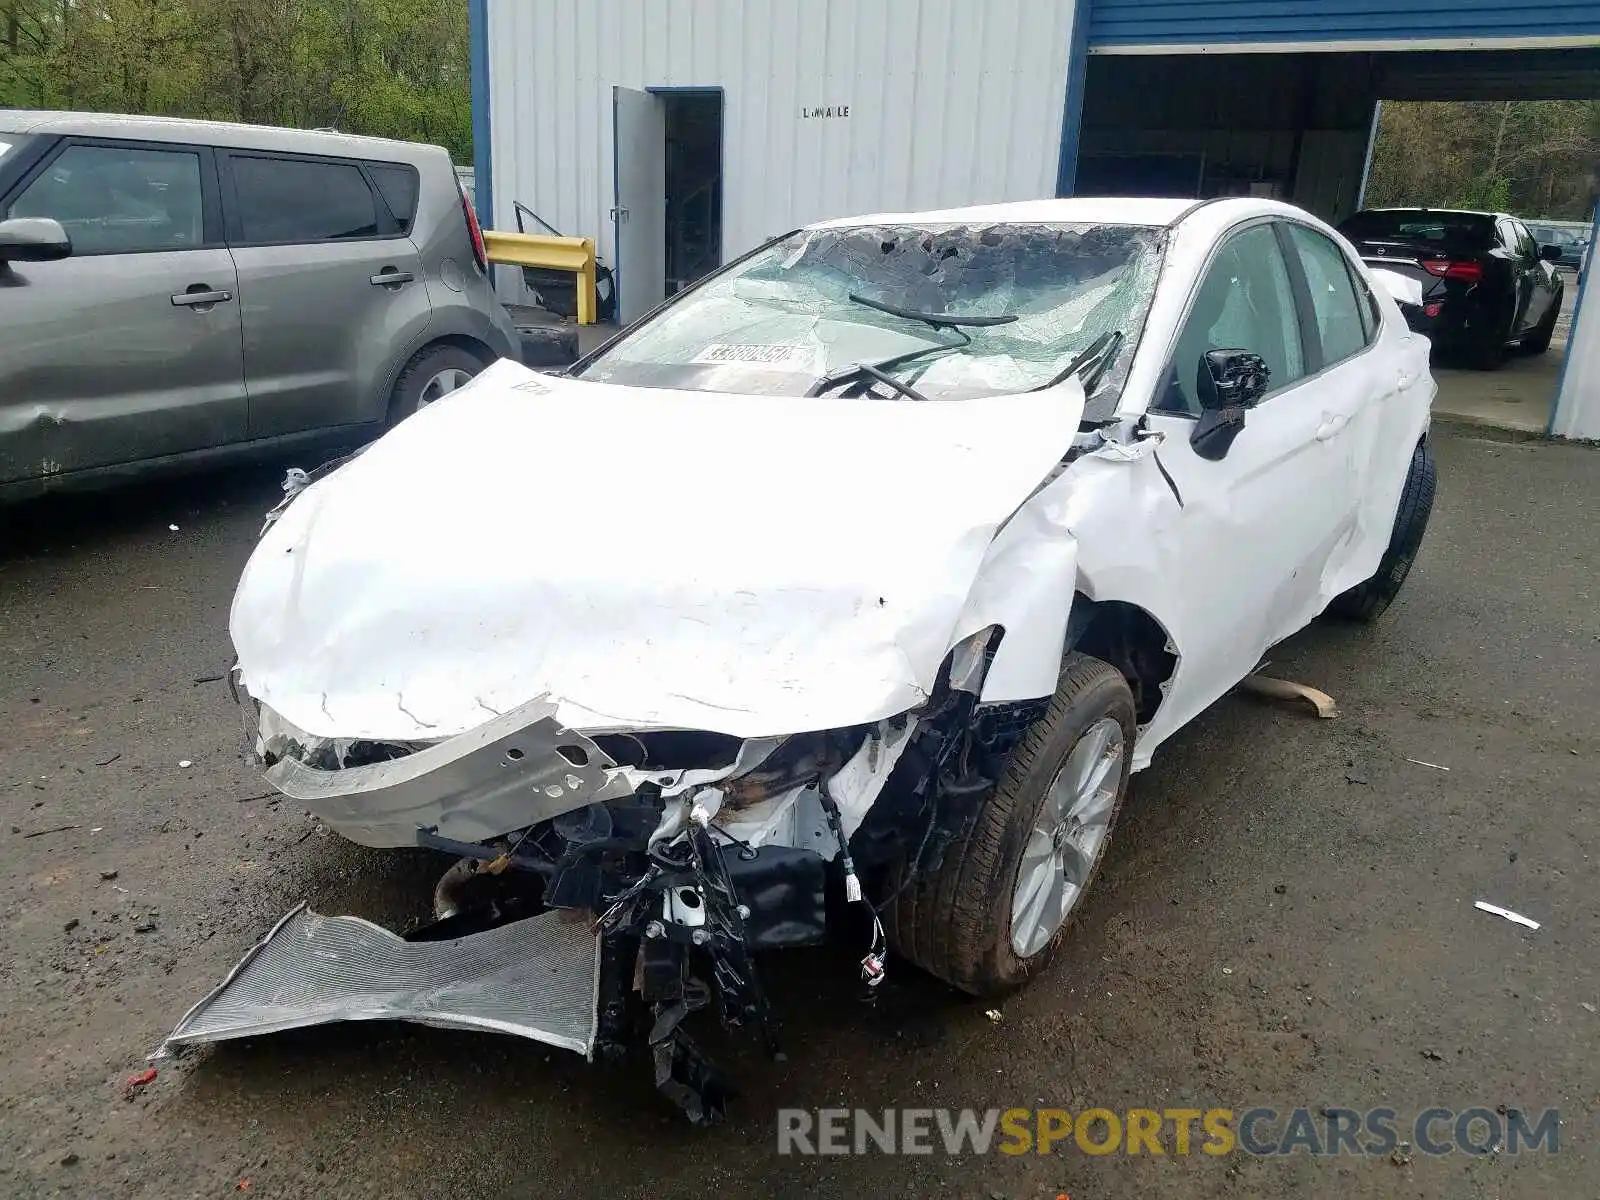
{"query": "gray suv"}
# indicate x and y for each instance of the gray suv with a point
(173, 291)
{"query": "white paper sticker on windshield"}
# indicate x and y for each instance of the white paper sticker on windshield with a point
(779, 358)
(4, 146)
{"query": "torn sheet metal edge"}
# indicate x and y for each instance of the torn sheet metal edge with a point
(1496, 910)
(505, 774)
(166, 1047)
(515, 934)
(856, 785)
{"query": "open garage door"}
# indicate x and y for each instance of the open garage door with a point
(1295, 120)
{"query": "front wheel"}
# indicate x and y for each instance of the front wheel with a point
(996, 910)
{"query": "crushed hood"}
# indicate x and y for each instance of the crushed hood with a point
(748, 565)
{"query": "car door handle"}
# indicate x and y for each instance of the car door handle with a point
(389, 277)
(1332, 423)
(191, 298)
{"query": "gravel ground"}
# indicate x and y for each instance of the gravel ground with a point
(1286, 917)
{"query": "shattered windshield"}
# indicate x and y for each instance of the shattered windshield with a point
(900, 312)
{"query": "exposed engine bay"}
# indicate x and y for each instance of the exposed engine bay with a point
(661, 863)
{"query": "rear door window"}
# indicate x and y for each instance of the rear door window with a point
(1341, 326)
(297, 200)
(398, 186)
(119, 199)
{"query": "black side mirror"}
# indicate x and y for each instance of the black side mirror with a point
(1550, 252)
(33, 239)
(1228, 382)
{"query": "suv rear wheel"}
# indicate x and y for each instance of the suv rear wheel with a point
(434, 372)
(996, 910)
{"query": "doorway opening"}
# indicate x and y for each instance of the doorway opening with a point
(694, 183)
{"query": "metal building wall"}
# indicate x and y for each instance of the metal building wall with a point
(950, 103)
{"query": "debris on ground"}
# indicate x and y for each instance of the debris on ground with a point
(1587, 1007)
(995, 1015)
(185, 763)
(108, 876)
(134, 1083)
(70, 925)
(1420, 763)
(1285, 689)
(1433, 1056)
(54, 829)
(174, 528)
(1400, 1156)
(106, 762)
(1514, 918)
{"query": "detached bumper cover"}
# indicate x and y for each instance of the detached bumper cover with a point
(537, 978)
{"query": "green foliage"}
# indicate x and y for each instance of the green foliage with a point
(394, 68)
(1535, 158)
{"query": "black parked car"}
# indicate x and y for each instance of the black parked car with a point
(1571, 236)
(1486, 283)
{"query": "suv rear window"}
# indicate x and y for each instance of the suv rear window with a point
(301, 200)
(1454, 232)
(398, 187)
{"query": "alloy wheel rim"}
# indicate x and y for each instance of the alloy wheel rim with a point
(441, 385)
(1068, 835)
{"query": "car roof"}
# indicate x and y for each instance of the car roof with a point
(184, 129)
(1443, 212)
(1075, 210)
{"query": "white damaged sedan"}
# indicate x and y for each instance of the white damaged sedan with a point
(860, 576)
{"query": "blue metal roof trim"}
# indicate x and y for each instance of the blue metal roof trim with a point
(482, 159)
(1217, 22)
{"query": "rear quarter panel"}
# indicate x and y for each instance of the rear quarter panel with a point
(461, 295)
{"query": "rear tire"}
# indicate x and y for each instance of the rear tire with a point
(969, 921)
(1537, 340)
(433, 371)
(1366, 601)
(1489, 354)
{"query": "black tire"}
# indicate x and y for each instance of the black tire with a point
(426, 365)
(1537, 340)
(955, 921)
(1366, 601)
(1488, 353)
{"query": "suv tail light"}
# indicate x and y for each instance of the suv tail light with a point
(1466, 272)
(479, 251)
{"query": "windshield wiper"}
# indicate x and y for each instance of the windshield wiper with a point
(937, 320)
(876, 370)
(1097, 356)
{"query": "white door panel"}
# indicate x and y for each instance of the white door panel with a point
(640, 214)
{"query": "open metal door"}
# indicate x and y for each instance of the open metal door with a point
(640, 215)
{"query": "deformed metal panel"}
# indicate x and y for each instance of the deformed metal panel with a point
(536, 978)
(948, 103)
(517, 769)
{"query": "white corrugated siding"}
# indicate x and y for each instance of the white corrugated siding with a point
(1577, 413)
(950, 103)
